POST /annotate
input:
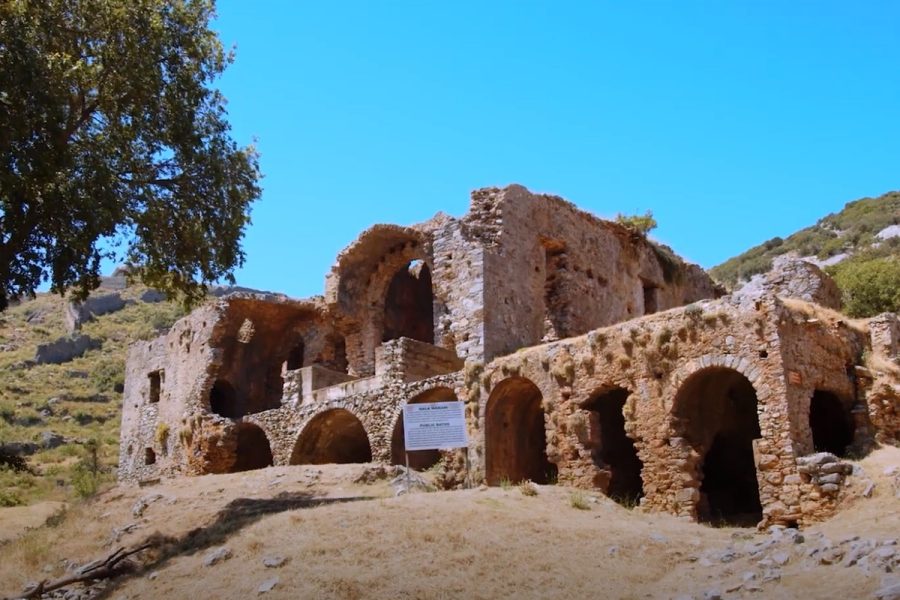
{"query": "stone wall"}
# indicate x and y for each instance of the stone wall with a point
(584, 354)
(555, 271)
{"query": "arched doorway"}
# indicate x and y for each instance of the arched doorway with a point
(253, 450)
(831, 423)
(515, 438)
(611, 448)
(223, 400)
(295, 357)
(420, 460)
(409, 305)
(717, 411)
(334, 436)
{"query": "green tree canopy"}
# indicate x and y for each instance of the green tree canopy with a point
(114, 144)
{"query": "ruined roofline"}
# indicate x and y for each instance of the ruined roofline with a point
(477, 220)
(480, 216)
(312, 304)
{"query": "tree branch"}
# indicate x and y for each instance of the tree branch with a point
(102, 569)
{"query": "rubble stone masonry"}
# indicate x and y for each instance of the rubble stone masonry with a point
(584, 353)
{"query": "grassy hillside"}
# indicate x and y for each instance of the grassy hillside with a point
(79, 400)
(852, 232)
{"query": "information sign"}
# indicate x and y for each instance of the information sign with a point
(434, 426)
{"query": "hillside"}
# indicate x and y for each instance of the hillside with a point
(337, 531)
(865, 230)
(52, 412)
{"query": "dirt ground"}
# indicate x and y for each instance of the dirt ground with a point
(338, 539)
(16, 520)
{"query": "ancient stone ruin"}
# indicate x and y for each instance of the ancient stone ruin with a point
(584, 353)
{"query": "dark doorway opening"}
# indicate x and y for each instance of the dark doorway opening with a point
(253, 450)
(295, 357)
(718, 410)
(651, 301)
(409, 305)
(223, 400)
(334, 436)
(831, 424)
(556, 303)
(515, 436)
(156, 379)
(420, 460)
(612, 449)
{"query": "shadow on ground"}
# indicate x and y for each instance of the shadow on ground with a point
(236, 515)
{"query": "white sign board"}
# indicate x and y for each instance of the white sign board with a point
(434, 426)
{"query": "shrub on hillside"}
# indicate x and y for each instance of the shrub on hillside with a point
(642, 224)
(870, 286)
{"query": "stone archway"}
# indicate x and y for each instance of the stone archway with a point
(716, 411)
(422, 459)
(253, 450)
(611, 449)
(409, 304)
(514, 434)
(831, 423)
(334, 436)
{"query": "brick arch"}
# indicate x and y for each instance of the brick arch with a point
(363, 278)
(743, 365)
(335, 433)
(514, 432)
(715, 418)
(253, 447)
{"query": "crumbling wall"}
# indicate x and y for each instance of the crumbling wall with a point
(654, 359)
(241, 340)
(164, 381)
(555, 271)
(704, 411)
(792, 277)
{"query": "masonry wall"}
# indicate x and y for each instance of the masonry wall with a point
(555, 271)
(573, 343)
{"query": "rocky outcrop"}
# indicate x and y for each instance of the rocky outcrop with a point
(794, 278)
(64, 349)
(76, 314)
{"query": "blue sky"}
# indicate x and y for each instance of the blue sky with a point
(732, 121)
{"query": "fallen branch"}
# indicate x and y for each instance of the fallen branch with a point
(101, 569)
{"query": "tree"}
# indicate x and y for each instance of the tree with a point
(641, 224)
(114, 144)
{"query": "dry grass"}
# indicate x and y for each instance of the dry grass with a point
(466, 544)
(877, 362)
(815, 311)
